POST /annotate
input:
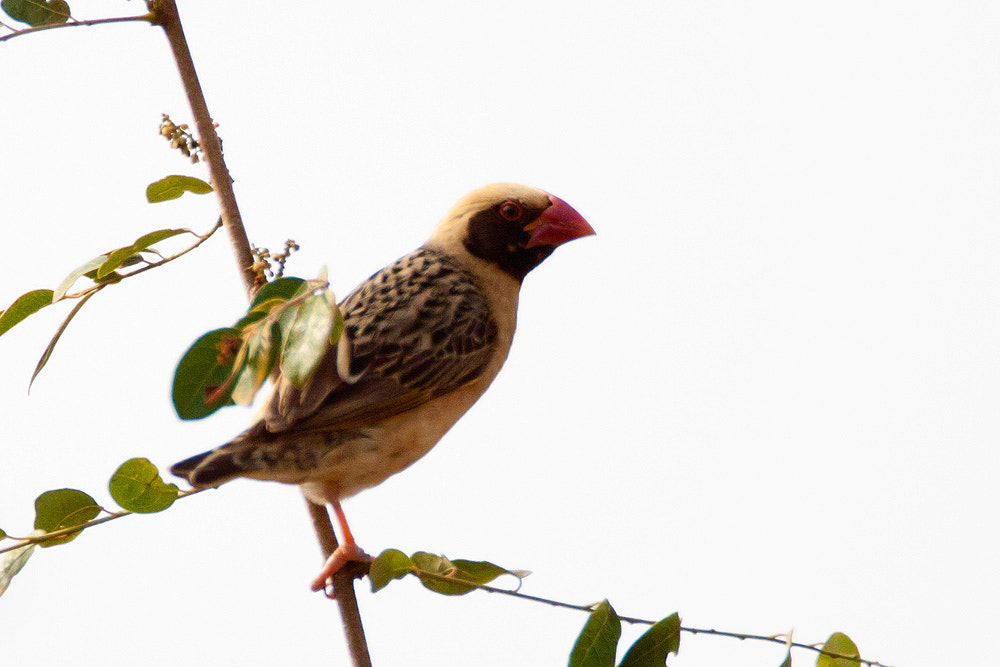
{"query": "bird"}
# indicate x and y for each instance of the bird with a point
(423, 338)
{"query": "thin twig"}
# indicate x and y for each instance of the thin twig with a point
(62, 532)
(149, 265)
(776, 639)
(53, 26)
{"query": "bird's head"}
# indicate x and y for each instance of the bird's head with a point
(511, 225)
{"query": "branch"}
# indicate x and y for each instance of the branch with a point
(167, 17)
(53, 26)
(149, 265)
(163, 260)
(776, 639)
(343, 587)
(62, 532)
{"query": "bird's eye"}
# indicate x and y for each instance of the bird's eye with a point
(510, 210)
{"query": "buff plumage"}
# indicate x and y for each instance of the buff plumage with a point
(423, 339)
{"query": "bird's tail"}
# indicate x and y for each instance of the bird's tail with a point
(210, 468)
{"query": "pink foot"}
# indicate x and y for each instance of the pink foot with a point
(341, 556)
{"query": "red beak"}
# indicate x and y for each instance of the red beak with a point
(557, 225)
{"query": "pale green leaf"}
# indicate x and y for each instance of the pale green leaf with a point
(75, 275)
(390, 564)
(63, 508)
(256, 359)
(138, 487)
(305, 338)
(173, 187)
(12, 562)
(840, 644)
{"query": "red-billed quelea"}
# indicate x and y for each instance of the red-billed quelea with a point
(423, 339)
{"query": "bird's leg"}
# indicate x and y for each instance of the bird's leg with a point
(346, 552)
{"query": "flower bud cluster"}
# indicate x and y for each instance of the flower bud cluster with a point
(181, 139)
(268, 266)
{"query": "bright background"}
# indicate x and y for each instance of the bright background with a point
(765, 395)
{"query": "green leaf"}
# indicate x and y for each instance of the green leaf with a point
(137, 486)
(132, 260)
(596, 645)
(306, 338)
(75, 275)
(390, 564)
(338, 326)
(115, 259)
(146, 240)
(455, 577)
(37, 12)
(122, 256)
(63, 508)
(253, 317)
(428, 562)
(842, 645)
(432, 564)
(3, 533)
(255, 361)
(479, 571)
(12, 563)
(787, 662)
(173, 187)
(282, 289)
(55, 339)
(201, 381)
(652, 648)
(109, 279)
(437, 573)
(24, 305)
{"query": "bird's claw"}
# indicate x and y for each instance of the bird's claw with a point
(341, 556)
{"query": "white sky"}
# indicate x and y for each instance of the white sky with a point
(765, 395)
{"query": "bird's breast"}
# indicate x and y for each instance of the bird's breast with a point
(374, 453)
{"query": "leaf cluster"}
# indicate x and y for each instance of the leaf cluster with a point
(437, 573)
(62, 514)
(597, 643)
(290, 325)
(102, 271)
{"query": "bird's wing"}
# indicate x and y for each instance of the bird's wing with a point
(417, 329)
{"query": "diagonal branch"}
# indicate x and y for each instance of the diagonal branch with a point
(167, 17)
